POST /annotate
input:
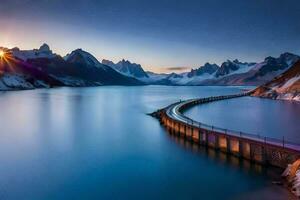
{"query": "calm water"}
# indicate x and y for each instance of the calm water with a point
(98, 143)
(253, 115)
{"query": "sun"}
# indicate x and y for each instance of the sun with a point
(2, 53)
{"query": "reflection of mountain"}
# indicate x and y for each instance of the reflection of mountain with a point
(41, 68)
(285, 86)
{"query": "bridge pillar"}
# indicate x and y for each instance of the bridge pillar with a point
(216, 140)
(211, 136)
(206, 138)
(257, 153)
(181, 132)
(195, 135)
(178, 128)
(228, 149)
(246, 151)
(234, 147)
(241, 148)
(200, 136)
(223, 143)
(189, 132)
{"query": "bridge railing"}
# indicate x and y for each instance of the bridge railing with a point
(282, 142)
(256, 137)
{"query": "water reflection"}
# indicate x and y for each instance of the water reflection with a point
(98, 143)
(222, 158)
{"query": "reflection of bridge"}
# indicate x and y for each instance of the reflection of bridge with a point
(256, 148)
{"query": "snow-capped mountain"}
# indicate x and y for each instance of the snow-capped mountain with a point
(206, 73)
(18, 74)
(205, 69)
(233, 72)
(285, 86)
(43, 52)
(28, 69)
(257, 74)
(80, 68)
(233, 67)
(82, 57)
(127, 68)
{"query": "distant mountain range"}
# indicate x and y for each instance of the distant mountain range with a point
(229, 73)
(285, 86)
(28, 69)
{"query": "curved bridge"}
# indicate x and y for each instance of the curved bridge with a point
(256, 148)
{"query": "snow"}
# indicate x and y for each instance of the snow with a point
(43, 52)
(153, 77)
(75, 82)
(243, 68)
(289, 96)
(14, 81)
(258, 66)
(282, 90)
(290, 82)
(294, 180)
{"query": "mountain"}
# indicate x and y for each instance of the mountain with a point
(285, 86)
(43, 52)
(207, 73)
(230, 72)
(205, 69)
(80, 68)
(259, 73)
(127, 68)
(16, 74)
(233, 67)
(82, 57)
(29, 69)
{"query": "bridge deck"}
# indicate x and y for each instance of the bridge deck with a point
(278, 152)
(174, 113)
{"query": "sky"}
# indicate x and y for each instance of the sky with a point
(162, 35)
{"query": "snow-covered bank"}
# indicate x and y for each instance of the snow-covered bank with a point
(292, 174)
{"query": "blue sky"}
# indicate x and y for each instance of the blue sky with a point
(158, 34)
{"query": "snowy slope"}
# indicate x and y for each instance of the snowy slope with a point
(286, 86)
(43, 52)
(9, 81)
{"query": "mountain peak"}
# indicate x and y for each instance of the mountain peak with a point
(127, 68)
(44, 48)
(207, 68)
(80, 56)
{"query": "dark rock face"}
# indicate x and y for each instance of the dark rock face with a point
(205, 69)
(226, 68)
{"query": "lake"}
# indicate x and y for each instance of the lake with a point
(98, 143)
